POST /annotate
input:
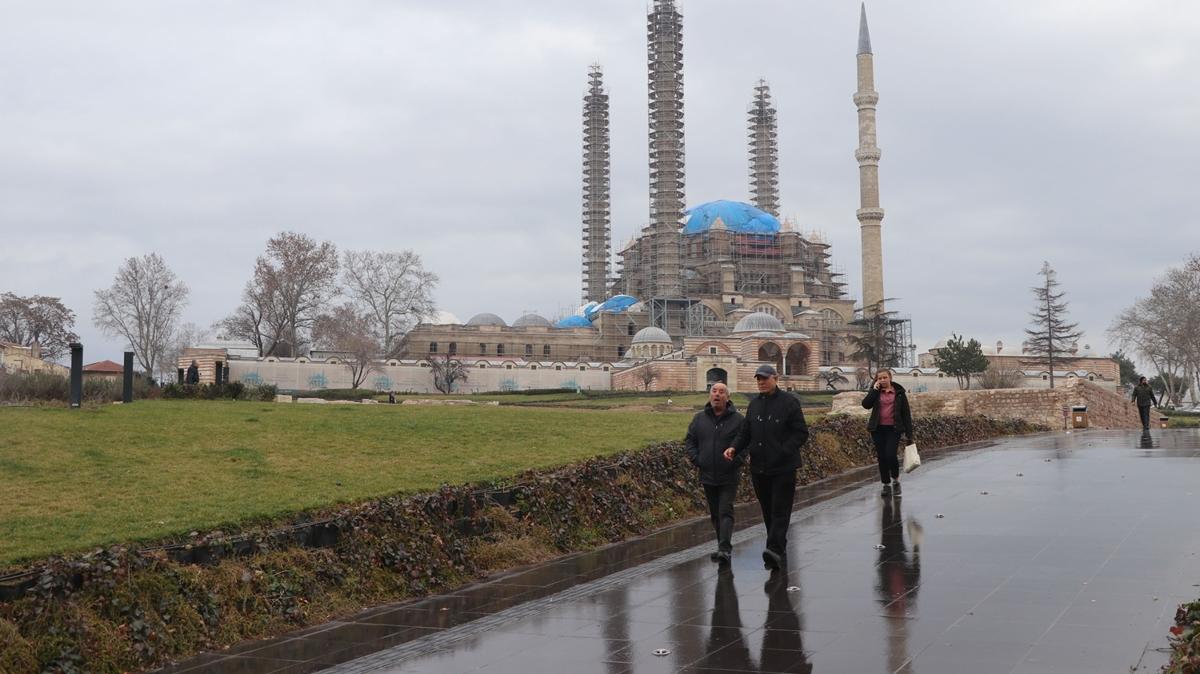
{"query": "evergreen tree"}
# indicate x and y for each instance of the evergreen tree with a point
(1052, 337)
(961, 359)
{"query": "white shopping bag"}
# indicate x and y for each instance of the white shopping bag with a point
(911, 458)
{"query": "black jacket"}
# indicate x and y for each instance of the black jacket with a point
(773, 432)
(1144, 395)
(707, 437)
(903, 412)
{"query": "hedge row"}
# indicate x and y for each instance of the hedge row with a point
(119, 609)
(234, 390)
(53, 388)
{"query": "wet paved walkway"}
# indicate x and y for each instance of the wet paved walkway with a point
(1064, 554)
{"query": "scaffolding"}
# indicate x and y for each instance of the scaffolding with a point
(596, 182)
(764, 151)
(664, 29)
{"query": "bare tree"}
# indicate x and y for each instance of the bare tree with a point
(446, 372)
(1052, 337)
(648, 374)
(259, 320)
(347, 332)
(142, 306)
(393, 288)
(40, 320)
(293, 283)
(1164, 328)
(995, 377)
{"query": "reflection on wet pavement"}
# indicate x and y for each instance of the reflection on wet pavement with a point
(1058, 553)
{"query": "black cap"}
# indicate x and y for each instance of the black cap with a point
(765, 371)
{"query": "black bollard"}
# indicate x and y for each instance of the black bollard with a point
(220, 373)
(179, 375)
(76, 374)
(127, 385)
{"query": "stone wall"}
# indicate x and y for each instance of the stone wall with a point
(1106, 409)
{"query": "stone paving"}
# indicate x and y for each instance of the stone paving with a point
(1063, 553)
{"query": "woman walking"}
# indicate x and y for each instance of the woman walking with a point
(891, 418)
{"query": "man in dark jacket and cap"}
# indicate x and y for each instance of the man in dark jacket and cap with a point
(711, 431)
(1143, 395)
(773, 432)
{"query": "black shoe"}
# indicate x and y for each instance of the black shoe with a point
(896, 488)
(714, 556)
(723, 558)
(772, 559)
(887, 491)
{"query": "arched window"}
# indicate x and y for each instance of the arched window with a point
(482, 349)
(433, 347)
(452, 349)
(797, 360)
(546, 351)
(831, 317)
(769, 309)
(499, 349)
(528, 350)
(770, 353)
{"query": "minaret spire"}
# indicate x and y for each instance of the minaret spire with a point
(596, 199)
(864, 35)
(870, 215)
(764, 151)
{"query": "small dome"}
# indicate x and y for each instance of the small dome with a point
(758, 322)
(531, 321)
(487, 319)
(651, 335)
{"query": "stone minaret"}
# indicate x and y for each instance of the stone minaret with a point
(870, 215)
(764, 151)
(664, 31)
(596, 200)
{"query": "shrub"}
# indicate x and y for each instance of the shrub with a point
(340, 393)
(1185, 640)
(31, 387)
(234, 390)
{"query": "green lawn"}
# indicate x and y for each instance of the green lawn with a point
(73, 480)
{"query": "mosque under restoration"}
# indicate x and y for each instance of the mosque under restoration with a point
(724, 280)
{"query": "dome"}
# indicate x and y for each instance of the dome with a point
(531, 321)
(758, 322)
(487, 319)
(651, 335)
(586, 309)
(573, 322)
(734, 216)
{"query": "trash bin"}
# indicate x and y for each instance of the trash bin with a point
(1163, 422)
(1079, 416)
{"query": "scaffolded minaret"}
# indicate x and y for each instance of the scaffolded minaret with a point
(764, 151)
(664, 27)
(596, 200)
(870, 215)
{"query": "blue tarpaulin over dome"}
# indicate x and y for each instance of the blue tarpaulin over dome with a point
(736, 216)
(573, 322)
(613, 305)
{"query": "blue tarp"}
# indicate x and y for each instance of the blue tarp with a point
(573, 322)
(737, 216)
(617, 303)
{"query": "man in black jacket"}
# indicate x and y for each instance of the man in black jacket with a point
(1143, 395)
(711, 431)
(773, 432)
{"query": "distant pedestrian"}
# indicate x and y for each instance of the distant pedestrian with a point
(773, 432)
(1143, 395)
(711, 431)
(392, 397)
(193, 374)
(891, 419)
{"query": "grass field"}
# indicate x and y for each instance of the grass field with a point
(73, 480)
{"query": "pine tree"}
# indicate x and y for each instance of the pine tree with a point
(1052, 337)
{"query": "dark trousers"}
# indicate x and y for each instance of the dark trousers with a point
(1144, 413)
(887, 442)
(776, 494)
(720, 510)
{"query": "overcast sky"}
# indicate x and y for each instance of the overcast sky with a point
(1012, 131)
